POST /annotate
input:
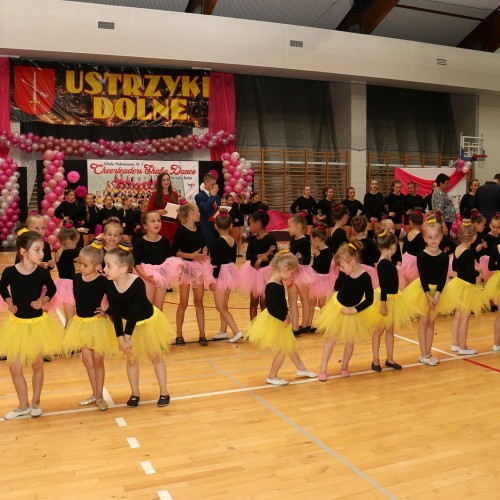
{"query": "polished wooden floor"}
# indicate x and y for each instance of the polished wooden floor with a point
(424, 432)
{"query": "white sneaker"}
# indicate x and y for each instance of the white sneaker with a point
(276, 381)
(220, 336)
(35, 411)
(467, 351)
(236, 337)
(16, 413)
(454, 348)
(435, 360)
(496, 348)
(305, 373)
(428, 360)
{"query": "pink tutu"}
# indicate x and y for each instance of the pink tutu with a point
(304, 275)
(167, 274)
(64, 294)
(451, 272)
(408, 271)
(254, 281)
(197, 273)
(483, 266)
(229, 277)
(322, 287)
(373, 275)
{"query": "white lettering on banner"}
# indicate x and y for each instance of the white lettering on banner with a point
(136, 178)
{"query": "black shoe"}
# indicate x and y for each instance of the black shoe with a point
(47, 359)
(297, 332)
(203, 341)
(133, 401)
(163, 401)
(311, 329)
(180, 341)
(394, 365)
(169, 290)
(3, 358)
(377, 368)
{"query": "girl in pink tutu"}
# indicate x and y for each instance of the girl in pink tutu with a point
(189, 245)
(302, 279)
(325, 270)
(153, 260)
(223, 255)
(255, 272)
(65, 263)
(413, 244)
(370, 253)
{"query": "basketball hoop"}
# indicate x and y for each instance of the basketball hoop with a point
(478, 157)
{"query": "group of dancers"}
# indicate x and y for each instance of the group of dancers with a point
(113, 306)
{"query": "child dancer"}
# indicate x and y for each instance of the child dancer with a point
(480, 245)
(238, 218)
(413, 244)
(65, 262)
(469, 297)
(492, 291)
(151, 251)
(300, 246)
(346, 316)
(370, 253)
(108, 210)
(255, 271)
(89, 331)
(129, 217)
(226, 273)
(90, 218)
(29, 333)
(112, 233)
(374, 207)
(492, 239)
(394, 204)
(338, 236)
(426, 293)
(390, 227)
(36, 222)
(189, 245)
(354, 206)
(271, 328)
(326, 272)
(395, 310)
(141, 329)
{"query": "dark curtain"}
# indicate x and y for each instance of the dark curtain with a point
(285, 113)
(410, 120)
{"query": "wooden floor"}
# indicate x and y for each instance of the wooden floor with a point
(425, 432)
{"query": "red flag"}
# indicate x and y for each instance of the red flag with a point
(34, 89)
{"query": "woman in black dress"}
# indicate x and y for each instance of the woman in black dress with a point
(324, 210)
(306, 204)
(374, 207)
(466, 201)
(354, 206)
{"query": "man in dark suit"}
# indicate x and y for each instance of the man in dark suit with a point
(208, 201)
(487, 199)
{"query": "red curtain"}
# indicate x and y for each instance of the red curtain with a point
(4, 100)
(424, 185)
(221, 109)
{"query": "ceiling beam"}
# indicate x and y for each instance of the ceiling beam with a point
(366, 15)
(201, 6)
(485, 36)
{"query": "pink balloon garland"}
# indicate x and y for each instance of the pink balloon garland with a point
(31, 143)
(9, 200)
(238, 175)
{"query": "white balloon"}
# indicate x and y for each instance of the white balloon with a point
(5, 243)
(16, 186)
(47, 190)
(9, 185)
(15, 192)
(9, 199)
(4, 205)
(2, 212)
(4, 192)
(13, 179)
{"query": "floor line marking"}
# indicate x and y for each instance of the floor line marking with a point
(164, 495)
(108, 398)
(121, 422)
(148, 468)
(483, 365)
(311, 437)
(253, 388)
(133, 443)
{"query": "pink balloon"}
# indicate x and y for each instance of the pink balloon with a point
(225, 157)
(48, 155)
(234, 162)
(50, 212)
(226, 163)
(250, 171)
(248, 178)
(52, 239)
(56, 163)
(238, 188)
(231, 169)
(51, 169)
(63, 184)
(227, 176)
(232, 181)
(460, 163)
(59, 156)
(59, 190)
(52, 183)
(58, 176)
(51, 197)
(236, 174)
(51, 226)
(45, 204)
(227, 189)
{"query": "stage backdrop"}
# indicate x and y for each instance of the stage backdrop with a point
(79, 94)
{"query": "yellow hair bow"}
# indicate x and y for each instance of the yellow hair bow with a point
(284, 249)
(97, 244)
(352, 246)
(466, 224)
(383, 233)
(431, 220)
(22, 231)
(123, 247)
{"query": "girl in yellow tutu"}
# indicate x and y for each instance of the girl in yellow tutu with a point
(346, 316)
(426, 292)
(29, 333)
(394, 310)
(492, 291)
(142, 330)
(271, 328)
(469, 297)
(90, 331)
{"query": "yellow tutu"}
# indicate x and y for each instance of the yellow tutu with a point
(152, 336)
(268, 332)
(400, 311)
(95, 333)
(492, 288)
(344, 327)
(468, 297)
(28, 339)
(414, 294)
